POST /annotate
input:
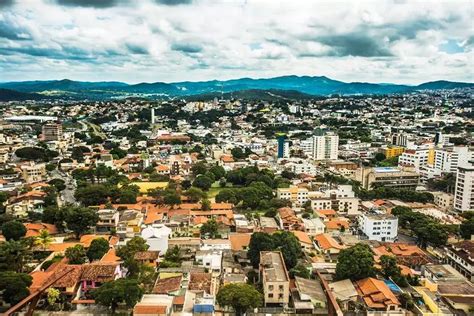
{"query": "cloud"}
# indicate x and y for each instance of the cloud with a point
(355, 44)
(89, 3)
(11, 30)
(187, 48)
(5, 3)
(173, 2)
(136, 49)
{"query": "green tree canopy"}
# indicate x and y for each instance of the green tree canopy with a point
(355, 263)
(240, 297)
(195, 194)
(466, 228)
(203, 182)
(209, 229)
(76, 254)
(13, 230)
(97, 249)
(14, 286)
(80, 219)
(121, 291)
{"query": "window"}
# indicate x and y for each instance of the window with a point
(270, 295)
(270, 287)
(280, 296)
(280, 287)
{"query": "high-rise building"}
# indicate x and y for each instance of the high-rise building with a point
(52, 132)
(322, 147)
(464, 194)
(400, 140)
(283, 150)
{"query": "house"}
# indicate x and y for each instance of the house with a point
(149, 257)
(345, 292)
(108, 220)
(168, 285)
(327, 244)
(200, 283)
(461, 257)
(210, 260)
(154, 304)
(377, 295)
(34, 229)
(305, 242)
(308, 297)
(95, 274)
(313, 226)
(337, 225)
(129, 224)
(288, 219)
(268, 225)
(326, 214)
(156, 236)
(275, 279)
(239, 242)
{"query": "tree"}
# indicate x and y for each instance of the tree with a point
(76, 254)
(218, 171)
(97, 249)
(239, 296)
(14, 255)
(227, 195)
(199, 168)
(113, 293)
(259, 242)
(43, 239)
(171, 198)
(195, 194)
(210, 229)
(59, 184)
(290, 247)
(203, 182)
(36, 153)
(80, 219)
(379, 157)
(92, 194)
(206, 205)
(389, 266)
(134, 245)
(13, 230)
(466, 228)
(14, 286)
(300, 270)
(355, 263)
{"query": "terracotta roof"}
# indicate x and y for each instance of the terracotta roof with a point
(200, 282)
(146, 255)
(326, 212)
(167, 285)
(375, 293)
(239, 242)
(70, 279)
(86, 240)
(38, 279)
(110, 256)
(302, 237)
(99, 272)
(61, 247)
(179, 300)
(398, 249)
(149, 309)
(34, 229)
(327, 242)
(336, 224)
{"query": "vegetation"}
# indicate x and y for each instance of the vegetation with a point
(121, 291)
(36, 153)
(240, 297)
(80, 219)
(13, 230)
(14, 286)
(97, 249)
(76, 254)
(355, 263)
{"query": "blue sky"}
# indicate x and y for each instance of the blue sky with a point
(175, 40)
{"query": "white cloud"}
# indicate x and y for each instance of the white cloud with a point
(133, 41)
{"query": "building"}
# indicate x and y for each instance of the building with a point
(275, 279)
(443, 200)
(295, 194)
(52, 132)
(393, 151)
(33, 172)
(461, 257)
(449, 159)
(380, 227)
(416, 158)
(283, 147)
(400, 139)
(392, 177)
(321, 147)
(377, 295)
(342, 200)
(464, 194)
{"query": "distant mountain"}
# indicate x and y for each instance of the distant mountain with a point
(255, 94)
(12, 95)
(310, 85)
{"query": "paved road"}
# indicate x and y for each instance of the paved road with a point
(67, 195)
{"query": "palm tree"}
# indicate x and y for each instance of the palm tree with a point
(43, 239)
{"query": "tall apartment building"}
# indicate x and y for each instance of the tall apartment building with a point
(283, 150)
(449, 159)
(321, 147)
(464, 194)
(417, 158)
(393, 151)
(33, 172)
(380, 227)
(52, 132)
(400, 140)
(275, 279)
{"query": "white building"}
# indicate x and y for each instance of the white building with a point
(380, 227)
(321, 147)
(464, 194)
(448, 160)
(156, 236)
(342, 200)
(313, 226)
(416, 158)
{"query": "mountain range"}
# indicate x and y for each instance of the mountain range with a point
(299, 86)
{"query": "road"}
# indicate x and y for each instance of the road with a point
(66, 195)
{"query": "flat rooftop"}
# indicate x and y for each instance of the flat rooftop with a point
(273, 265)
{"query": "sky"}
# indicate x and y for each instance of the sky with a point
(135, 41)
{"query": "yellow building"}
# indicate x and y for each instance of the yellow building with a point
(393, 151)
